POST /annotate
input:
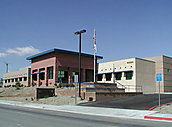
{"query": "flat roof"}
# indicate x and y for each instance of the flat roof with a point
(62, 51)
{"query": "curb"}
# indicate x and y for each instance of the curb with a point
(120, 113)
(158, 106)
(157, 118)
(148, 115)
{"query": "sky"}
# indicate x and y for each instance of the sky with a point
(124, 28)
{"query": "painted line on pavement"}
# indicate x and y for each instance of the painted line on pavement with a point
(157, 118)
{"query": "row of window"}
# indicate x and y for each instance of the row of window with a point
(115, 68)
(19, 75)
(118, 76)
(16, 80)
(42, 75)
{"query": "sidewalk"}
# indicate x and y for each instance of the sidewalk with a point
(110, 112)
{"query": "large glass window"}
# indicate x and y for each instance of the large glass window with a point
(16, 79)
(50, 73)
(108, 77)
(42, 76)
(118, 75)
(129, 75)
(34, 77)
(62, 76)
(25, 78)
(20, 79)
(89, 75)
(100, 76)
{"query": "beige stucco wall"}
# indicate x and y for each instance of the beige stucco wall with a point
(119, 66)
(158, 69)
(164, 66)
(145, 75)
(17, 74)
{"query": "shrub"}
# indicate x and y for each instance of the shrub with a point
(33, 84)
(18, 85)
(46, 84)
(40, 83)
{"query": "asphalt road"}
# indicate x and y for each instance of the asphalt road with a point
(139, 102)
(11, 116)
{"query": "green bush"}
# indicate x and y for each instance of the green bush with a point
(33, 84)
(18, 85)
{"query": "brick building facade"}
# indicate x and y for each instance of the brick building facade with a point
(59, 66)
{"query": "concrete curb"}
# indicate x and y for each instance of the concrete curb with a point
(98, 111)
(157, 118)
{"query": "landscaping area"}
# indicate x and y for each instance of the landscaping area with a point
(65, 96)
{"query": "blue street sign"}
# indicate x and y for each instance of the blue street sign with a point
(158, 76)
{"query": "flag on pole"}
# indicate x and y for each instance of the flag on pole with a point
(94, 37)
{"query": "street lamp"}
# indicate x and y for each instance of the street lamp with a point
(79, 77)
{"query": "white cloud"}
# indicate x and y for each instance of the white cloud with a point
(21, 51)
(3, 54)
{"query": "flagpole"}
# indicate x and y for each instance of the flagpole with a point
(95, 50)
(94, 67)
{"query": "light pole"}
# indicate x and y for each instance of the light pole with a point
(79, 77)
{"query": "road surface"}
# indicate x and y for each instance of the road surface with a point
(139, 102)
(12, 116)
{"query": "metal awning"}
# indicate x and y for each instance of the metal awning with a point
(37, 73)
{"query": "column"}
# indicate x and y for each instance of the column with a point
(69, 75)
(83, 75)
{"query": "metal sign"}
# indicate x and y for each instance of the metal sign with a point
(158, 76)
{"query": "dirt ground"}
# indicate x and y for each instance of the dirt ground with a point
(165, 109)
(27, 94)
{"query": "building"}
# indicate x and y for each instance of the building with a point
(22, 76)
(60, 66)
(135, 74)
(1, 82)
(163, 65)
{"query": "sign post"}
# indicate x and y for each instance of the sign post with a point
(76, 87)
(159, 79)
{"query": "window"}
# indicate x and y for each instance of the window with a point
(108, 77)
(8, 80)
(50, 73)
(129, 75)
(62, 76)
(20, 79)
(12, 80)
(16, 79)
(5, 81)
(42, 76)
(25, 78)
(118, 76)
(100, 77)
(34, 77)
(168, 70)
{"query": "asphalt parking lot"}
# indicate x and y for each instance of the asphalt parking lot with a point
(140, 102)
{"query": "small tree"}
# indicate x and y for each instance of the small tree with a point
(18, 85)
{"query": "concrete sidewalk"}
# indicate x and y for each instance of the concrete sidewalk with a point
(110, 112)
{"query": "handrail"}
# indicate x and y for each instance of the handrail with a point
(121, 84)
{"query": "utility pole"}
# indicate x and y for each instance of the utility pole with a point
(6, 67)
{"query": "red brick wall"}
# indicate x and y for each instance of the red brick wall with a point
(60, 59)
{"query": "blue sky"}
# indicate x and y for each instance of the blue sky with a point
(125, 28)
